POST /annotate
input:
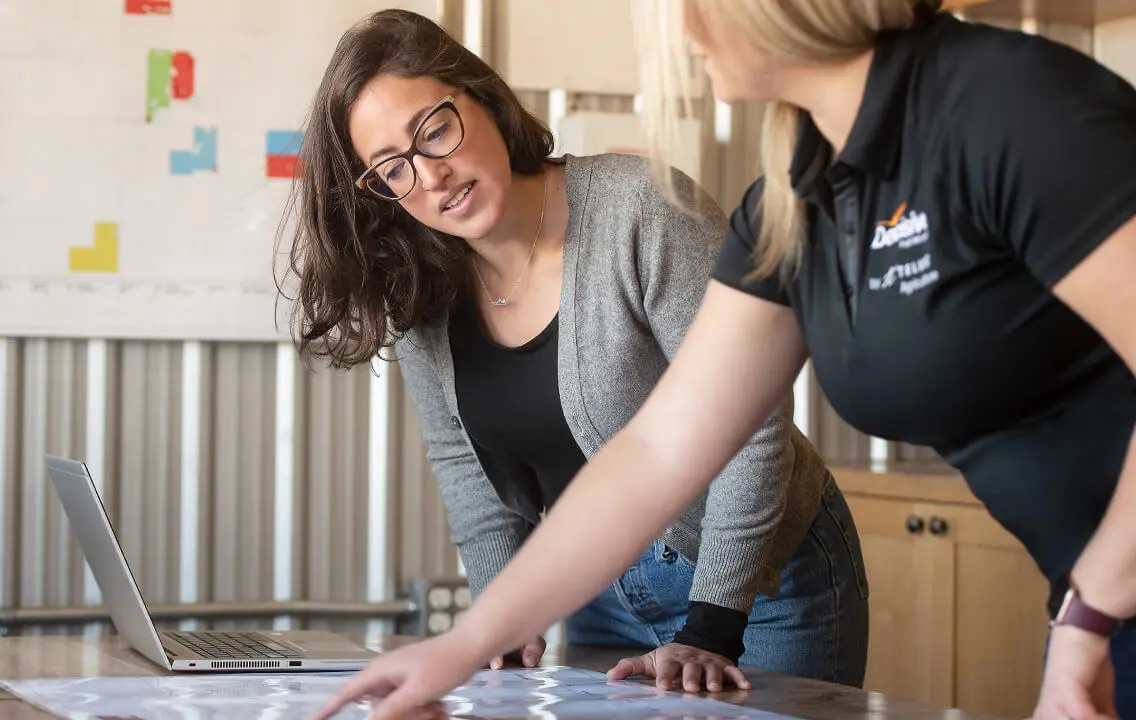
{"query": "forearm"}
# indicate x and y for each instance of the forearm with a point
(486, 556)
(1105, 574)
(608, 526)
(694, 421)
(752, 512)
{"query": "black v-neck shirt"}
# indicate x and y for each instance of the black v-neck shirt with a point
(509, 400)
(983, 165)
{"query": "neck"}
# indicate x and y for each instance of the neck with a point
(505, 250)
(831, 94)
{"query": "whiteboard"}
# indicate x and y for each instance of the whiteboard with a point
(147, 149)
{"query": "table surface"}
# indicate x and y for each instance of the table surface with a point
(79, 656)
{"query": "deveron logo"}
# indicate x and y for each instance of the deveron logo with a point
(905, 230)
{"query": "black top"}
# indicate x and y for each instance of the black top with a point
(984, 165)
(509, 401)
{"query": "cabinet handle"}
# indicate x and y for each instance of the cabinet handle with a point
(938, 526)
(914, 524)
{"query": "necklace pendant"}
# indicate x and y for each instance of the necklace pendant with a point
(499, 302)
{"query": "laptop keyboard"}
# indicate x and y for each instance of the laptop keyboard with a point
(234, 645)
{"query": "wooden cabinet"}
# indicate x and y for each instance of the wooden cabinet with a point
(957, 606)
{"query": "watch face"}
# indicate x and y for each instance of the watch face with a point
(1065, 603)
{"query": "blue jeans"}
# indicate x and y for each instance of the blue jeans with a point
(817, 627)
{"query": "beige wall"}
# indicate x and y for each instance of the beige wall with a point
(1114, 43)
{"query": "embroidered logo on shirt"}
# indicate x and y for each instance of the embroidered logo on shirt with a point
(911, 276)
(902, 230)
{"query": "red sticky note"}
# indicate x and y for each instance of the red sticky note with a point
(149, 7)
(283, 166)
(181, 82)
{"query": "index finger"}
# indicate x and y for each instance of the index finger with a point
(398, 705)
(353, 690)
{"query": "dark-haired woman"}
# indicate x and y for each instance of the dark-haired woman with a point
(533, 303)
(946, 227)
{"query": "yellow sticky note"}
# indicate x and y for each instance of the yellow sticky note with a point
(101, 257)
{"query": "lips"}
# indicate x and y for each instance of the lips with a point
(458, 195)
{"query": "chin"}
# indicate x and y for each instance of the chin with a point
(477, 226)
(472, 229)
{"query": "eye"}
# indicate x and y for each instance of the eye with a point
(437, 133)
(392, 171)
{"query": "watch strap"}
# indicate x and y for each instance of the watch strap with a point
(1076, 613)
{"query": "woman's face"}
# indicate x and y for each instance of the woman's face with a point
(463, 193)
(736, 69)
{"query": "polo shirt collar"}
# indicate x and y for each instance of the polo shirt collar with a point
(877, 134)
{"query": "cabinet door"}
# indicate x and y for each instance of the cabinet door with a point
(911, 577)
(1000, 617)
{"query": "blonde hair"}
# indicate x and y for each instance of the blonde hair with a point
(796, 33)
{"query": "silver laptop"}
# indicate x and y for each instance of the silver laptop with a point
(246, 650)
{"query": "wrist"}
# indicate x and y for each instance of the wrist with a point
(475, 635)
(715, 629)
(1088, 644)
(1077, 611)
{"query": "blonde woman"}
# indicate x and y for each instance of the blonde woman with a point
(945, 227)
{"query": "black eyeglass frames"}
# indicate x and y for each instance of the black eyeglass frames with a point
(437, 135)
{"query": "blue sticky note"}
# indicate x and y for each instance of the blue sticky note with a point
(203, 156)
(284, 142)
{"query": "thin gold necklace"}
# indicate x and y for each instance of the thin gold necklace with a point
(503, 301)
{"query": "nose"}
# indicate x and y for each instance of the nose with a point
(432, 172)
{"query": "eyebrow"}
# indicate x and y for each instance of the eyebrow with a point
(411, 126)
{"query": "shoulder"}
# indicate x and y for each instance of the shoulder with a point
(416, 347)
(613, 170)
(745, 220)
(628, 182)
(993, 76)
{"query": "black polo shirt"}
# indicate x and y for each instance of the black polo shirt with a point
(984, 164)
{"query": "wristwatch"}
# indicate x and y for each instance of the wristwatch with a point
(1075, 612)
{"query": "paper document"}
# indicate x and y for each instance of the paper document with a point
(554, 693)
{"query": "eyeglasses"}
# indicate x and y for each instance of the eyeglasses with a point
(439, 134)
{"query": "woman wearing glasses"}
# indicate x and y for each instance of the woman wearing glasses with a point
(946, 227)
(533, 303)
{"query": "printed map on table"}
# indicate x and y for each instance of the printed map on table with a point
(559, 693)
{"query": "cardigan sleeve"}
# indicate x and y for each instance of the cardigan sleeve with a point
(745, 504)
(485, 531)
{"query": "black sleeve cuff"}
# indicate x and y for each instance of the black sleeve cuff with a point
(715, 629)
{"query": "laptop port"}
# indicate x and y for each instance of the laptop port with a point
(294, 663)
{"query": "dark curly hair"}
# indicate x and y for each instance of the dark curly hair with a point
(367, 271)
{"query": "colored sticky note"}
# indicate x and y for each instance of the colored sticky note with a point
(158, 66)
(181, 81)
(202, 156)
(149, 7)
(282, 148)
(102, 256)
(282, 166)
(284, 142)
